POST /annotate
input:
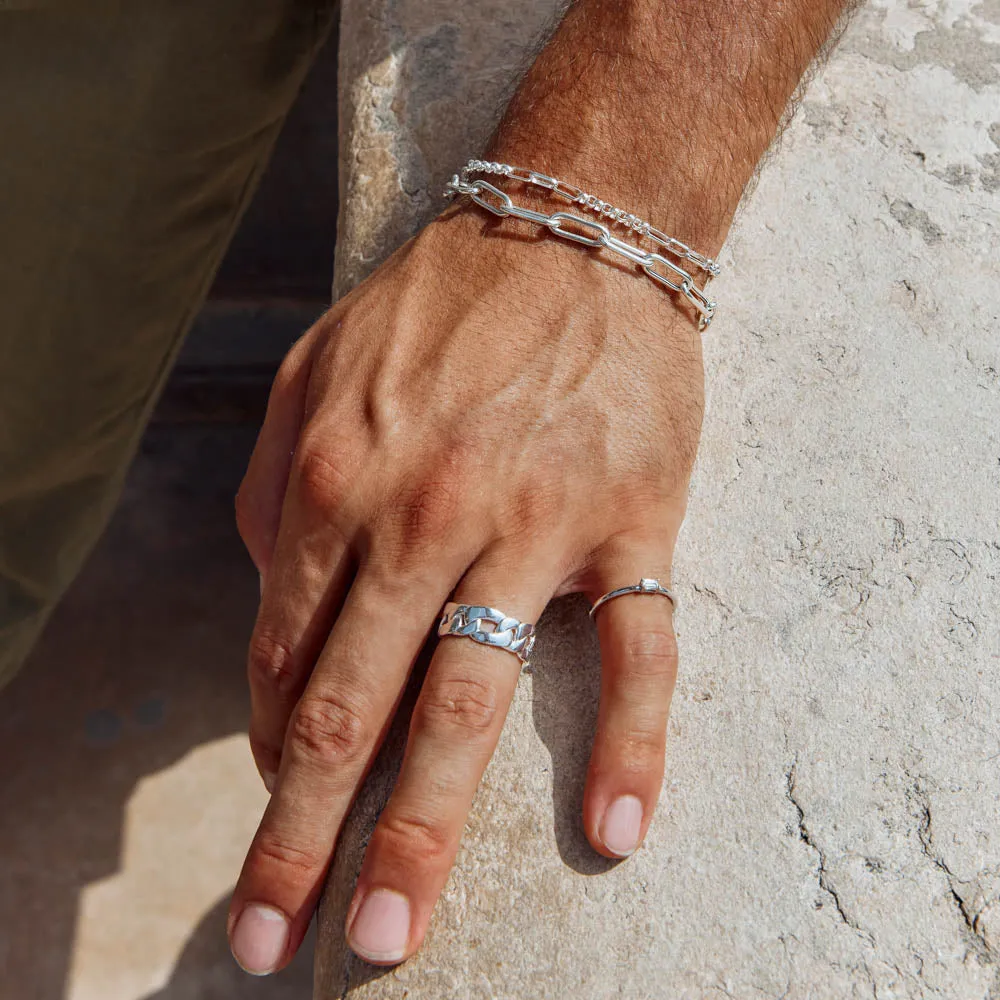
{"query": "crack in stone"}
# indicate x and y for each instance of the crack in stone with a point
(708, 592)
(824, 880)
(974, 934)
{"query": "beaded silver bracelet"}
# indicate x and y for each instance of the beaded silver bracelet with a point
(655, 265)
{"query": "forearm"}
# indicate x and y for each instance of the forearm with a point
(665, 107)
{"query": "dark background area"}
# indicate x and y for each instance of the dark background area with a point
(277, 274)
(144, 661)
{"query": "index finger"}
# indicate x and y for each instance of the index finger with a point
(334, 734)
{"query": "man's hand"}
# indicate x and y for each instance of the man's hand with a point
(483, 419)
(496, 423)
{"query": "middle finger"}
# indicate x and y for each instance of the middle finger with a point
(455, 726)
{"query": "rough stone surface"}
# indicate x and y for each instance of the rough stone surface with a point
(422, 85)
(829, 820)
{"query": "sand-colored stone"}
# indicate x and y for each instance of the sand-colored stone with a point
(829, 820)
(129, 795)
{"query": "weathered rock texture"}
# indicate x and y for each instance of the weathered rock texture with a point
(829, 822)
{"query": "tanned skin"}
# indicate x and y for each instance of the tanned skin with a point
(496, 417)
(667, 105)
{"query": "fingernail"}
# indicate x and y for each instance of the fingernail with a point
(382, 927)
(622, 822)
(269, 778)
(259, 939)
(261, 584)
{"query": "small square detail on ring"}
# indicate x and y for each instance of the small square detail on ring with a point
(649, 586)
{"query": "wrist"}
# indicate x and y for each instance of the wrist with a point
(687, 204)
(585, 219)
(533, 266)
(664, 108)
(626, 129)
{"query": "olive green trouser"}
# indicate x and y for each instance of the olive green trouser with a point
(132, 136)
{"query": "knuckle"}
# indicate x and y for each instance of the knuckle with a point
(651, 652)
(469, 704)
(271, 661)
(415, 838)
(643, 506)
(294, 863)
(324, 481)
(538, 506)
(426, 511)
(328, 731)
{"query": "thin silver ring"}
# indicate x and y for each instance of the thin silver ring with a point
(489, 627)
(646, 585)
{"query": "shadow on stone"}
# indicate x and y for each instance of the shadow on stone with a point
(141, 666)
(566, 685)
(206, 970)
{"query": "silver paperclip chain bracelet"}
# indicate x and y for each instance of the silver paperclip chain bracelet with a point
(655, 265)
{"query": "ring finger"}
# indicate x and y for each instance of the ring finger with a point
(638, 674)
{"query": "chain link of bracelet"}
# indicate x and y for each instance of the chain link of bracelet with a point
(603, 208)
(655, 265)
